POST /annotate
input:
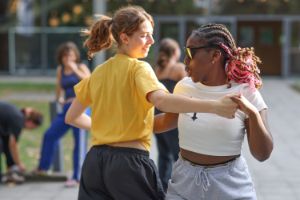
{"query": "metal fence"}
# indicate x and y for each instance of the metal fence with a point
(34, 49)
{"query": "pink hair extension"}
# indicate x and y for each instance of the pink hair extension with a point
(241, 66)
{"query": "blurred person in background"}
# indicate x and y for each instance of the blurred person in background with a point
(69, 72)
(12, 122)
(169, 71)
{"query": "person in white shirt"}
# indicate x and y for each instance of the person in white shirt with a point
(210, 165)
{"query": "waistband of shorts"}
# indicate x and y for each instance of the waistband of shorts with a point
(218, 165)
(122, 150)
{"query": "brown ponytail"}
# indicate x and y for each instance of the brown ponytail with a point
(99, 36)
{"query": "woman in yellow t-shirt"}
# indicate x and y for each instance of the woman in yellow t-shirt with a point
(122, 93)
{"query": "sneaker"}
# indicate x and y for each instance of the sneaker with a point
(71, 183)
(38, 172)
(13, 177)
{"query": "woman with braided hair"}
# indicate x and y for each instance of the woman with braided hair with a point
(210, 165)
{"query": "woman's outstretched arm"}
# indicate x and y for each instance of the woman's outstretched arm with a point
(173, 103)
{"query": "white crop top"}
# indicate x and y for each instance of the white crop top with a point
(208, 133)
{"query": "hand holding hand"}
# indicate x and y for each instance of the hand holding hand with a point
(226, 107)
(244, 105)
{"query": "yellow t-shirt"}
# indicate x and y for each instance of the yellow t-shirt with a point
(116, 92)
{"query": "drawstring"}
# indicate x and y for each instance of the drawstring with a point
(202, 178)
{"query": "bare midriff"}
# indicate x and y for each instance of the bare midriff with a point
(131, 144)
(202, 159)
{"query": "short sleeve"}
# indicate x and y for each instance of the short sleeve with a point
(14, 126)
(82, 91)
(15, 130)
(255, 98)
(146, 80)
(182, 87)
(178, 88)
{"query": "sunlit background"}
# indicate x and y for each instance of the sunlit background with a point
(32, 29)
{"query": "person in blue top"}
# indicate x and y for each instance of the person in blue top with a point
(69, 72)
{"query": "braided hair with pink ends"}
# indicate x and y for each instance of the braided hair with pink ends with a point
(240, 63)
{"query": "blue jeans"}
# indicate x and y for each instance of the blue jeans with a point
(56, 131)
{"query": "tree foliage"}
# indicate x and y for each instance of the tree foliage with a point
(159, 7)
(231, 7)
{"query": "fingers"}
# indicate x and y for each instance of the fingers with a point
(230, 111)
(236, 99)
(238, 95)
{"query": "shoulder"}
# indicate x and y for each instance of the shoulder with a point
(186, 81)
(10, 111)
(141, 63)
(59, 69)
(179, 67)
(100, 67)
(141, 66)
(246, 89)
(184, 85)
(253, 95)
(178, 71)
(6, 108)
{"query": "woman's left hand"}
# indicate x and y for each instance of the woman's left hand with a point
(244, 105)
(73, 65)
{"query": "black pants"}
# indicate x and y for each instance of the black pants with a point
(1, 149)
(118, 173)
(168, 150)
(4, 148)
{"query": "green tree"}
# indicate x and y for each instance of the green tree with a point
(232, 7)
(159, 7)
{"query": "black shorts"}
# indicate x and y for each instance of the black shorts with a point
(119, 173)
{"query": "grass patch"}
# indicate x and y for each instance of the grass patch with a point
(8, 88)
(296, 86)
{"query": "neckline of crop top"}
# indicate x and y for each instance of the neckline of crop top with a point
(211, 88)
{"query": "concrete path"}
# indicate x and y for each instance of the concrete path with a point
(275, 179)
(38, 191)
(279, 177)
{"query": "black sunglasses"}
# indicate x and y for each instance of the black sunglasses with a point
(190, 51)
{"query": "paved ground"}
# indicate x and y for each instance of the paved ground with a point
(279, 178)
(276, 179)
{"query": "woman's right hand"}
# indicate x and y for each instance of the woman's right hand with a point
(225, 107)
(61, 100)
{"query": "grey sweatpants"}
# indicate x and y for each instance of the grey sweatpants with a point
(230, 181)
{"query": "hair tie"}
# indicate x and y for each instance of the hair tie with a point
(111, 22)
